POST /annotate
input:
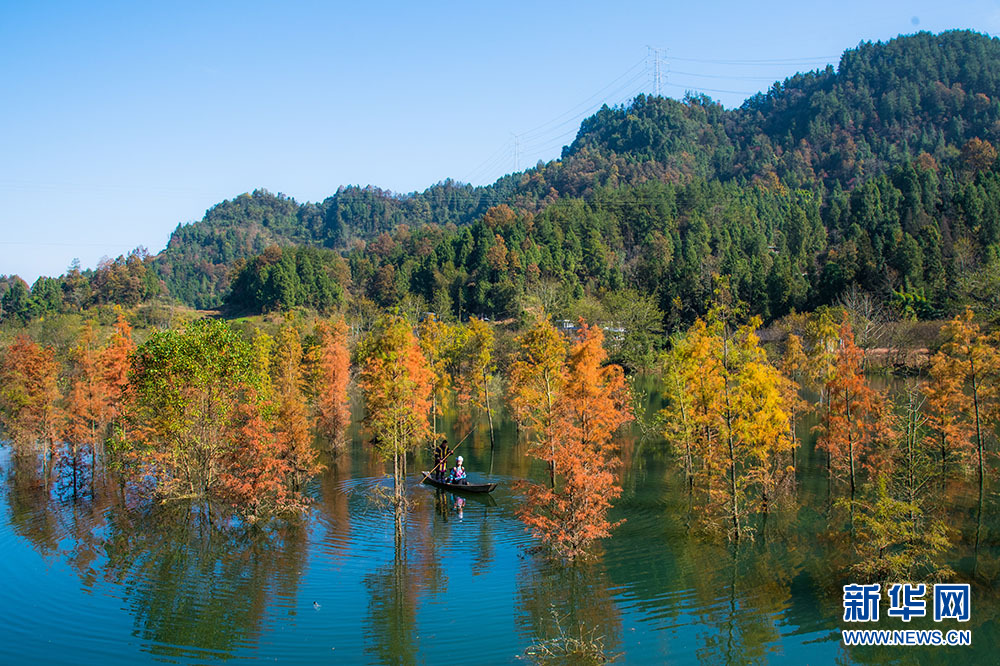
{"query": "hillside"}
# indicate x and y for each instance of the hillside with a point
(880, 175)
(825, 131)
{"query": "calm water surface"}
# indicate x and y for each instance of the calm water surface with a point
(90, 582)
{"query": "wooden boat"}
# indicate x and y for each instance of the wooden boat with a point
(458, 487)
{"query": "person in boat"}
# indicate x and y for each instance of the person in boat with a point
(440, 459)
(457, 474)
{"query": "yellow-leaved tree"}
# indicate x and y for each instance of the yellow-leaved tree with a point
(727, 412)
(536, 378)
(397, 383)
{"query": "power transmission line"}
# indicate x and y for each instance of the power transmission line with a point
(779, 61)
(652, 71)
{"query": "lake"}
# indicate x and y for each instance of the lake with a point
(94, 582)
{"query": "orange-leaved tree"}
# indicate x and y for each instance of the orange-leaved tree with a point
(437, 342)
(291, 430)
(87, 397)
(86, 402)
(397, 383)
(854, 410)
(115, 363)
(255, 477)
(948, 408)
(331, 377)
(29, 395)
(535, 383)
(592, 406)
(794, 364)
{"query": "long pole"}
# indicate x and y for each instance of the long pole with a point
(449, 453)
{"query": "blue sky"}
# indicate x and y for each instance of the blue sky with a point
(121, 120)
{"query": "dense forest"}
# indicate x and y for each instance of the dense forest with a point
(880, 175)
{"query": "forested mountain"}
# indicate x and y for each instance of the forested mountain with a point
(884, 105)
(196, 263)
(880, 174)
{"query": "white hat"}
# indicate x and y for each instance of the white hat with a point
(460, 459)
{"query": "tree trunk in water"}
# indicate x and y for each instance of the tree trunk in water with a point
(732, 448)
(548, 431)
(397, 491)
(489, 412)
(979, 530)
(850, 437)
(979, 430)
(944, 461)
(73, 452)
(791, 432)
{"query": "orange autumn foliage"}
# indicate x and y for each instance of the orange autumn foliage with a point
(972, 358)
(536, 378)
(854, 412)
(332, 376)
(291, 430)
(947, 410)
(29, 394)
(86, 403)
(115, 364)
(592, 406)
(397, 384)
(255, 478)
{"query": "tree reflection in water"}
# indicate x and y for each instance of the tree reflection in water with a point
(193, 590)
(557, 602)
(392, 607)
(190, 584)
(44, 514)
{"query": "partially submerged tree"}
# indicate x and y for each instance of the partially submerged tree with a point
(681, 370)
(293, 438)
(86, 402)
(727, 405)
(894, 541)
(397, 385)
(853, 410)
(972, 358)
(794, 364)
(479, 366)
(948, 408)
(115, 364)
(437, 342)
(593, 404)
(535, 383)
(331, 377)
(195, 426)
(29, 396)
